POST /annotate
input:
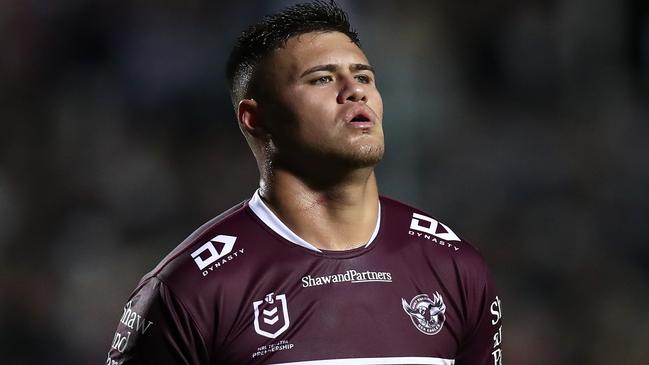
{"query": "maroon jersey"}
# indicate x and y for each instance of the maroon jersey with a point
(245, 289)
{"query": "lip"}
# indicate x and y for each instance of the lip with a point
(359, 112)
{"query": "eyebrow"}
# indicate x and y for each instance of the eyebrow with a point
(333, 67)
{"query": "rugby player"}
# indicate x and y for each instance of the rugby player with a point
(316, 267)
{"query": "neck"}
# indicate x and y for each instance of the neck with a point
(333, 215)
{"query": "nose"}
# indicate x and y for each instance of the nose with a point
(351, 90)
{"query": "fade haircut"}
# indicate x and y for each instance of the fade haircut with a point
(272, 32)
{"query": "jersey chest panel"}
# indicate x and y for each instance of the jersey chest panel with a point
(387, 302)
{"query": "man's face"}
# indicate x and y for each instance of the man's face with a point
(321, 104)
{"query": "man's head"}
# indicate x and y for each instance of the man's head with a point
(304, 92)
(261, 39)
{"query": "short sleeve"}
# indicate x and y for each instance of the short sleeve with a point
(483, 344)
(155, 328)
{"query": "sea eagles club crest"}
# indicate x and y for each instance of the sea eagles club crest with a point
(271, 315)
(426, 314)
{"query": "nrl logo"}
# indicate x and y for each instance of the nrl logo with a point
(426, 314)
(271, 315)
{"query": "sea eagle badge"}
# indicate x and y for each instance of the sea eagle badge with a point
(427, 314)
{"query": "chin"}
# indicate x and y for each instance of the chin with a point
(365, 156)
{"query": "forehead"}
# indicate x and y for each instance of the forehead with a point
(316, 48)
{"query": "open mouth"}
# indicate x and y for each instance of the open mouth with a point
(360, 118)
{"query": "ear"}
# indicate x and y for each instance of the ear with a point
(249, 117)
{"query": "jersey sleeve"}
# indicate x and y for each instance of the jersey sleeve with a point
(483, 344)
(155, 328)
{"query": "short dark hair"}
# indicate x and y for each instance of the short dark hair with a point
(273, 31)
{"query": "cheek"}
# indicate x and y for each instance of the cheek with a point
(315, 107)
(306, 115)
(377, 105)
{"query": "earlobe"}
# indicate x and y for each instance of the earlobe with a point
(248, 115)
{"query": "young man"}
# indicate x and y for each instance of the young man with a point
(315, 268)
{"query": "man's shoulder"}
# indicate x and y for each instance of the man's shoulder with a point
(425, 228)
(211, 245)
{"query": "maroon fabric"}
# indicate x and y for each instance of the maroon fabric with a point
(266, 300)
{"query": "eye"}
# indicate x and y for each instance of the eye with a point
(322, 80)
(363, 78)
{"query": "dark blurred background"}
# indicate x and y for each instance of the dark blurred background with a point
(523, 125)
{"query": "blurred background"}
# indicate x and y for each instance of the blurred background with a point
(523, 125)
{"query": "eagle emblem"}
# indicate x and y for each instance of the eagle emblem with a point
(427, 314)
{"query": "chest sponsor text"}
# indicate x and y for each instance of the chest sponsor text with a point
(349, 276)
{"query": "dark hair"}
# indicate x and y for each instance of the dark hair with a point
(273, 31)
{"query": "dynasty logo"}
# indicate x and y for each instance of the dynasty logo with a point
(208, 257)
(426, 314)
(432, 227)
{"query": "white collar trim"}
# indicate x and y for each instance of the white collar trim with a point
(269, 218)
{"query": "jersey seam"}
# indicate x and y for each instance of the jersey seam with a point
(201, 330)
(469, 337)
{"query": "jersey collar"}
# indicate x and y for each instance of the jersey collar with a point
(263, 212)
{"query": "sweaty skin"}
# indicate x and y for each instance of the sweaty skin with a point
(316, 130)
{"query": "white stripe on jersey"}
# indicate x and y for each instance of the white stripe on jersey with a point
(377, 361)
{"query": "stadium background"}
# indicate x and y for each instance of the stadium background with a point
(523, 125)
